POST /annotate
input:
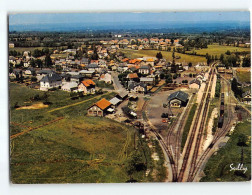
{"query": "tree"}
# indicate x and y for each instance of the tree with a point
(159, 55)
(48, 61)
(228, 52)
(246, 61)
(39, 63)
(32, 63)
(234, 86)
(34, 79)
(190, 64)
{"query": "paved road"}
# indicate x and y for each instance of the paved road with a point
(116, 82)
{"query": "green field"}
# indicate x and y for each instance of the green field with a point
(218, 167)
(76, 149)
(216, 49)
(244, 76)
(167, 55)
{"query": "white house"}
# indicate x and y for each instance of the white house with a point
(69, 86)
(49, 81)
(106, 78)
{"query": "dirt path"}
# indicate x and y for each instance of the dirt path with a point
(67, 106)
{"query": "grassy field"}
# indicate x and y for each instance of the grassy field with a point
(216, 49)
(76, 149)
(188, 125)
(31, 49)
(167, 55)
(218, 167)
(243, 76)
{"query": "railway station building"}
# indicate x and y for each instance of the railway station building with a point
(178, 99)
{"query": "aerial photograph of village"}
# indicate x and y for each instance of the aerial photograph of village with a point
(129, 97)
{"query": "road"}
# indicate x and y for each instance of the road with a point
(116, 83)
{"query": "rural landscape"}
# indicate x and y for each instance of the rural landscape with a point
(129, 97)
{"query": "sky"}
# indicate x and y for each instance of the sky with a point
(91, 18)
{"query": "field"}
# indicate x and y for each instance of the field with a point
(216, 49)
(31, 49)
(218, 167)
(243, 74)
(75, 149)
(167, 55)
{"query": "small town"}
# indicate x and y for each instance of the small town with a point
(129, 106)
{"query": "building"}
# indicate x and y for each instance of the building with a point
(69, 86)
(178, 99)
(49, 81)
(87, 86)
(195, 84)
(115, 101)
(246, 97)
(144, 69)
(100, 108)
(106, 78)
(147, 80)
(138, 87)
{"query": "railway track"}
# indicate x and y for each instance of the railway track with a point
(219, 133)
(201, 129)
(202, 107)
(167, 150)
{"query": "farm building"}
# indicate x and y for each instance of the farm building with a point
(246, 97)
(178, 99)
(100, 108)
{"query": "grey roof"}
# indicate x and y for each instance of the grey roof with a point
(114, 100)
(86, 71)
(144, 67)
(195, 81)
(51, 78)
(123, 93)
(45, 71)
(92, 66)
(84, 60)
(79, 76)
(182, 96)
(133, 85)
(146, 79)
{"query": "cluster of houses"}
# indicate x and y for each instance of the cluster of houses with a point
(70, 81)
(145, 43)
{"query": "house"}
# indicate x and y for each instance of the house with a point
(195, 84)
(132, 76)
(147, 80)
(100, 108)
(138, 87)
(49, 81)
(178, 99)
(84, 61)
(87, 73)
(87, 86)
(42, 73)
(93, 67)
(144, 69)
(29, 71)
(69, 86)
(106, 78)
(246, 97)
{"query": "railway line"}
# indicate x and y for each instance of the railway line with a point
(219, 133)
(203, 108)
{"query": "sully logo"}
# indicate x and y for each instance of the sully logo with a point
(239, 167)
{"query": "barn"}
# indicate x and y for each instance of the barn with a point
(178, 99)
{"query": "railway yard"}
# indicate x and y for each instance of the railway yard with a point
(187, 164)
